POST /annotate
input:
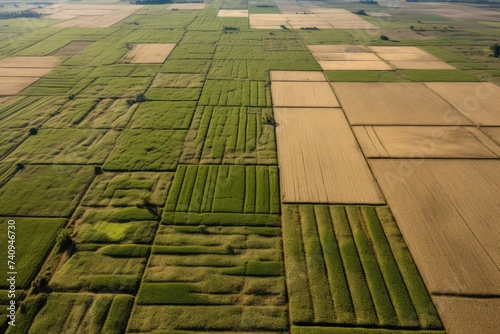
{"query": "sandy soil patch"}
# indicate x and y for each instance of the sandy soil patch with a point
(420, 142)
(23, 72)
(13, 85)
(72, 48)
(355, 56)
(447, 212)
(148, 53)
(338, 49)
(187, 6)
(297, 76)
(232, 13)
(478, 101)
(373, 65)
(421, 65)
(468, 315)
(395, 104)
(38, 62)
(303, 94)
(319, 158)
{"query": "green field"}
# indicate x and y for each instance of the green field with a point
(147, 195)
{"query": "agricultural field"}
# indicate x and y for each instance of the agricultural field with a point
(267, 167)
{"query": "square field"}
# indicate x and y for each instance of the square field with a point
(148, 53)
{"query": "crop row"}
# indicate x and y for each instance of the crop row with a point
(238, 135)
(350, 265)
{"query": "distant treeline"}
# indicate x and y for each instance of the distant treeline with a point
(17, 15)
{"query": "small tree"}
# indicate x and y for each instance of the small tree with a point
(496, 50)
(384, 38)
(33, 131)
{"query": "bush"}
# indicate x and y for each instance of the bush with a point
(63, 240)
(97, 170)
(496, 50)
(384, 38)
(33, 131)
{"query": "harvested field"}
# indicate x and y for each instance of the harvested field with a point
(13, 85)
(346, 56)
(72, 49)
(395, 104)
(148, 53)
(297, 76)
(92, 16)
(477, 101)
(493, 133)
(30, 62)
(303, 94)
(338, 49)
(420, 65)
(354, 65)
(467, 315)
(423, 142)
(180, 6)
(449, 220)
(24, 72)
(232, 13)
(319, 159)
(397, 49)
(408, 56)
(348, 264)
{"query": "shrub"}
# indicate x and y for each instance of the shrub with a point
(33, 131)
(63, 240)
(384, 38)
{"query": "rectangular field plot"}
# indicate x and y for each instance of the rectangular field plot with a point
(477, 101)
(34, 239)
(108, 113)
(128, 189)
(395, 103)
(73, 146)
(319, 159)
(107, 269)
(29, 62)
(122, 225)
(11, 138)
(447, 211)
(146, 150)
(352, 56)
(351, 65)
(222, 194)
(164, 115)
(349, 265)
(214, 270)
(13, 85)
(235, 93)
(303, 94)
(148, 53)
(182, 6)
(117, 87)
(174, 80)
(420, 65)
(318, 49)
(44, 191)
(25, 112)
(423, 142)
(230, 135)
(89, 16)
(232, 13)
(64, 312)
(467, 315)
(297, 76)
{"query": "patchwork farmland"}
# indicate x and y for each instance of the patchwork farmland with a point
(268, 167)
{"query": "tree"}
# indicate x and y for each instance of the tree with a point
(384, 38)
(496, 50)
